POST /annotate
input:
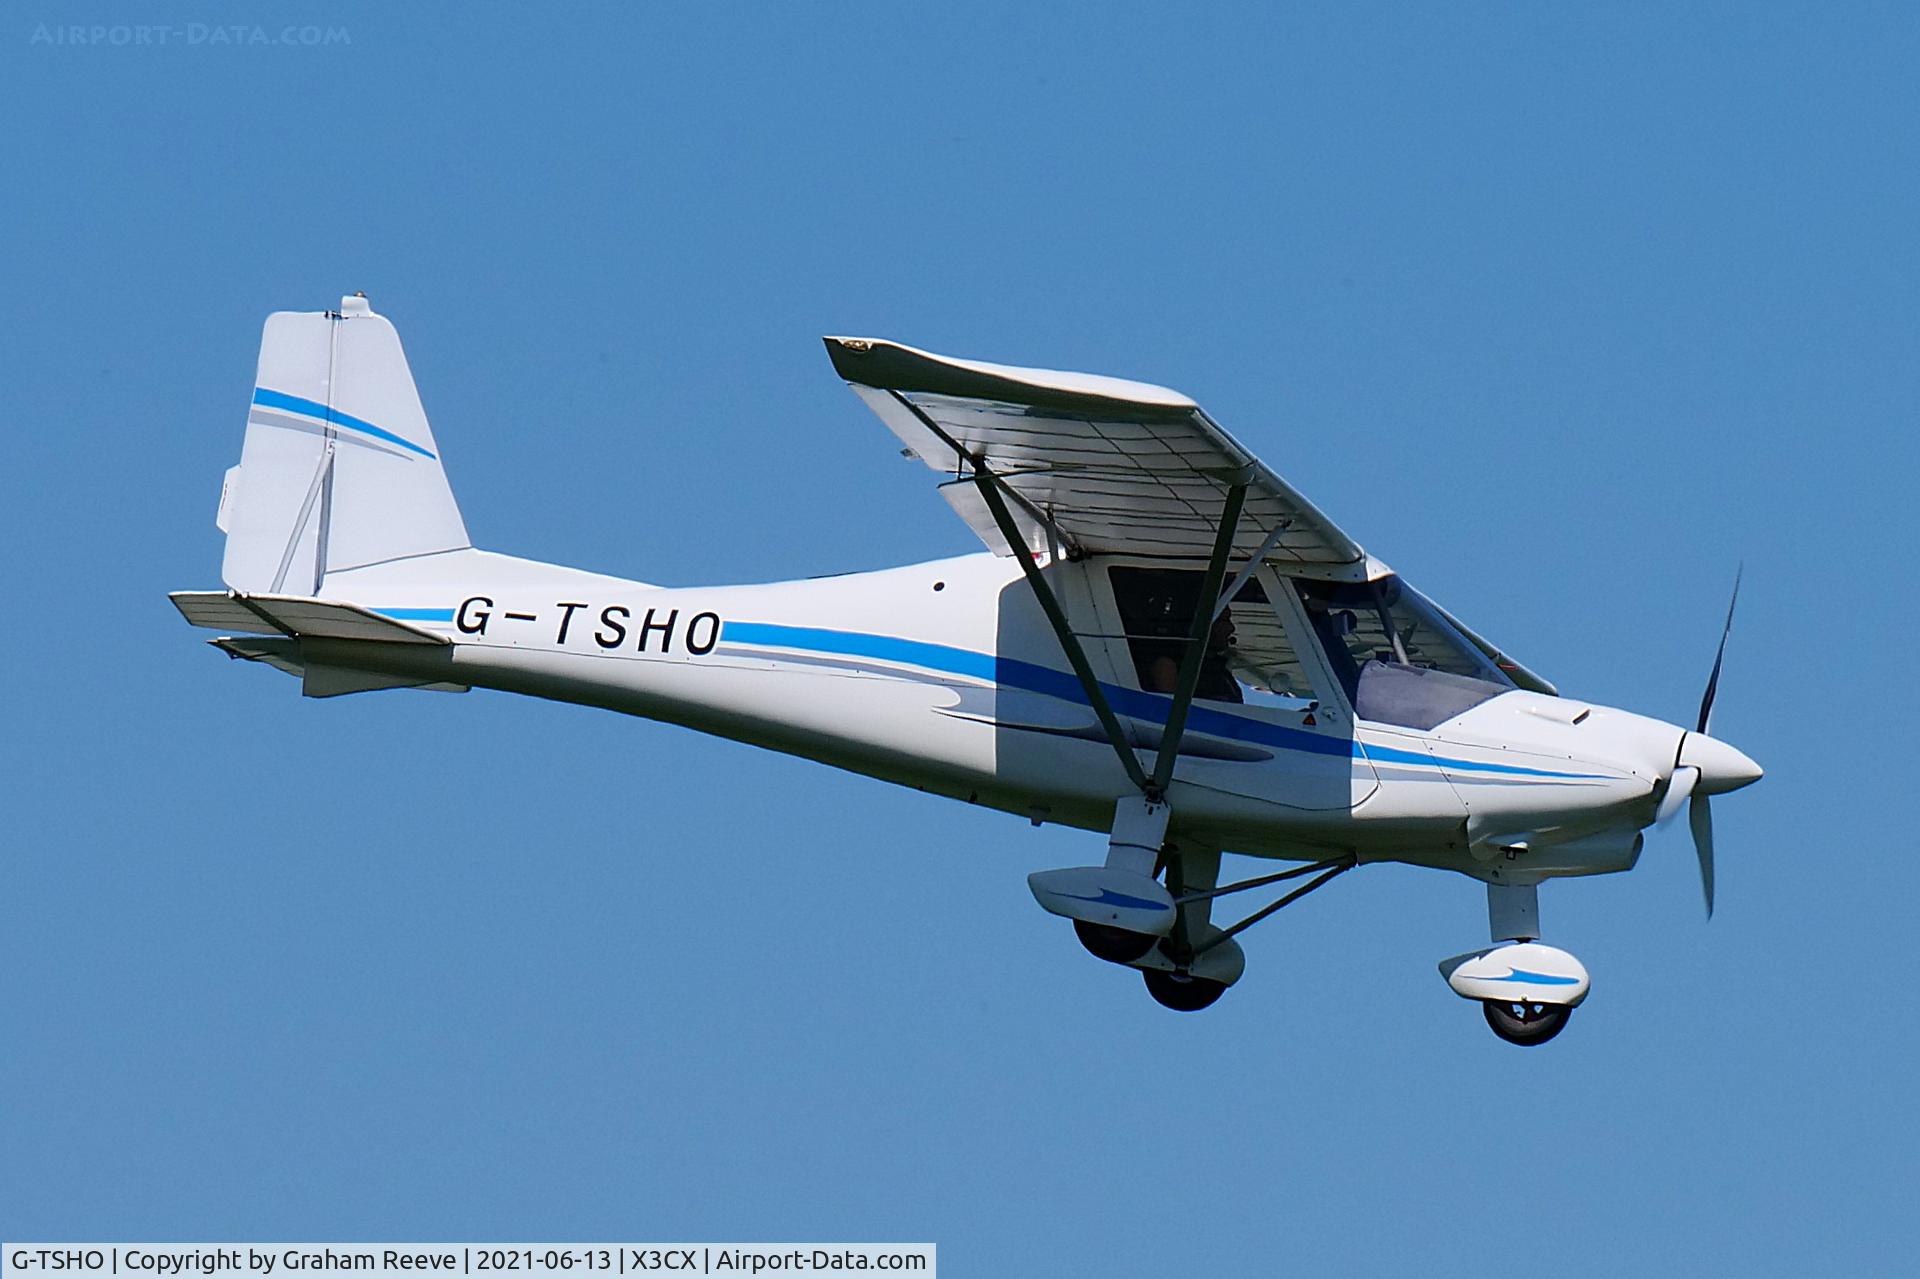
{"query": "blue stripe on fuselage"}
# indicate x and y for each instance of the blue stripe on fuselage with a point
(416, 614)
(1150, 707)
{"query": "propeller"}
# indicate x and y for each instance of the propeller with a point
(1679, 786)
(1700, 819)
(1683, 782)
(1719, 655)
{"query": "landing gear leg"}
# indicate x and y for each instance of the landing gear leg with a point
(1133, 857)
(1513, 912)
(1181, 989)
(1198, 960)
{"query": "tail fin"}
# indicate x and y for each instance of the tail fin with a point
(339, 468)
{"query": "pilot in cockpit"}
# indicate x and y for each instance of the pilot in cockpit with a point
(1216, 682)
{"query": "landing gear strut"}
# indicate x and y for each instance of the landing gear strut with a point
(1191, 878)
(1192, 964)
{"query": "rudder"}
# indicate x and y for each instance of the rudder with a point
(339, 469)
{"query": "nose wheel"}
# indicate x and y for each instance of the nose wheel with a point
(1525, 1022)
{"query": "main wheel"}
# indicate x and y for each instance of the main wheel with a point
(1182, 992)
(1115, 945)
(1525, 1023)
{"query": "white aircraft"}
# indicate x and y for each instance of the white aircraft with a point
(1165, 643)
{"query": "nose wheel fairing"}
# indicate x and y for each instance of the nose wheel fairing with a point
(1521, 972)
(1526, 990)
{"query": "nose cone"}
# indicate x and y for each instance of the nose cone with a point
(1722, 767)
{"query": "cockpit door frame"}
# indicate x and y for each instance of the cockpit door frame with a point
(1286, 602)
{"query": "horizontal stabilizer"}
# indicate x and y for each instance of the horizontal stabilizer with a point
(279, 652)
(295, 615)
(289, 653)
(326, 680)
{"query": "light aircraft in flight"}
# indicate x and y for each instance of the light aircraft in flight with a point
(1163, 642)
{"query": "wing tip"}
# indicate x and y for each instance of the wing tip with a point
(894, 366)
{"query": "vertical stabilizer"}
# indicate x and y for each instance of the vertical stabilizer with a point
(339, 469)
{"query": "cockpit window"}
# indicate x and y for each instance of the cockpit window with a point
(1247, 659)
(1383, 638)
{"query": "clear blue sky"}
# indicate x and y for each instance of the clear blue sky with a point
(1563, 309)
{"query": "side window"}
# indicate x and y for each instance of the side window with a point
(1247, 656)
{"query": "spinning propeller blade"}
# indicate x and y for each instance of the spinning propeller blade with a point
(1713, 680)
(1700, 818)
(1680, 785)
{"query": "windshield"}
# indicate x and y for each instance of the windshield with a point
(1382, 637)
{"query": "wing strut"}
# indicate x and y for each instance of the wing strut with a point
(1258, 558)
(989, 485)
(1154, 787)
(1197, 641)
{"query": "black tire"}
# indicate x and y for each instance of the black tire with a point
(1182, 992)
(1523, 1023)
(1115, 945)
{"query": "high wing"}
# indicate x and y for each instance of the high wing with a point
(1100, 465)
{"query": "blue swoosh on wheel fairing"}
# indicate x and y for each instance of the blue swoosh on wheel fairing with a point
(1108, 897)
(1544, 979)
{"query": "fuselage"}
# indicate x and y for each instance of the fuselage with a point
(944, 676)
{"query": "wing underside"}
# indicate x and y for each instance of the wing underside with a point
(1100, 465)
